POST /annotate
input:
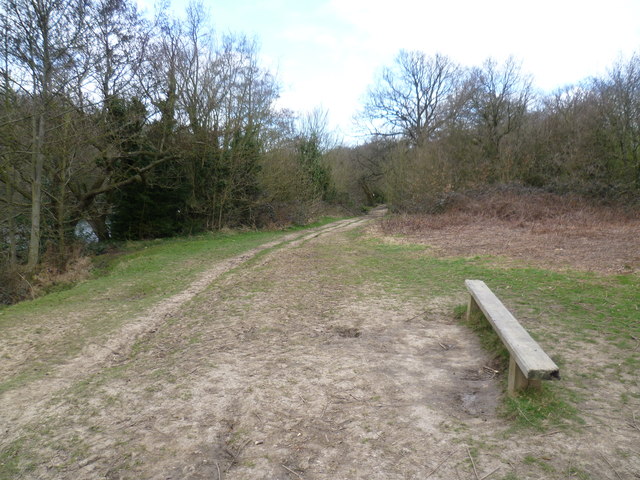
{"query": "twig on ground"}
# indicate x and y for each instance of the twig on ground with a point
(491, 473)
(549, 434)
(258, 417)
(324, 409)
(219, 474)
(473, 464)
(289, 470)
(234, 456)
(489, 369)
(611, 466)
(243, 446)
(363, 400)
(439, 465)
(419, 315)
(444, 347)
(233, 460)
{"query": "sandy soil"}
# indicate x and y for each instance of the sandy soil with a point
(269, 367)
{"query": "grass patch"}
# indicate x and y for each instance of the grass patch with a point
(541, 409)
(13, 462)
(580, 474)
(578, 307)
(548, 408)
(590, 306)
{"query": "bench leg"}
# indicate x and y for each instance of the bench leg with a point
(517, 381)
(472, 309)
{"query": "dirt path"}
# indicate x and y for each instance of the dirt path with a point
(286, 362)
(96, 357)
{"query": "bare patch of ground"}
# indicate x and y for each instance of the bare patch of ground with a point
(545, 230)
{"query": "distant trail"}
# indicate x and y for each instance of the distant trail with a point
(117, 348)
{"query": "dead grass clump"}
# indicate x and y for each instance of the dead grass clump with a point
(519, 206)
(545, 229)
(14, 285)
(18, 284)
(540, 212)
(76, 270)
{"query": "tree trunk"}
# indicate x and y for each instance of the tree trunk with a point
(36, 192)
(13, 254)
(61, 216)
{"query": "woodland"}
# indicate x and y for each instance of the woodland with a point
(115, 126)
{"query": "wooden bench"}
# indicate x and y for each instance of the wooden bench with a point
(528, 364)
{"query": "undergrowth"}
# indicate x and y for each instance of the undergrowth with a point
(514, 204)
(589, 305)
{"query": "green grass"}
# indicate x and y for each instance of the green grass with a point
(539, 462)
(13, 461)
(123, 284)
(546, 409)
(589, 305)
(322, 221)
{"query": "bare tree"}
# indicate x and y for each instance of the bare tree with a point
(45, 38)
(198, 87)
(117, 47)
(7, 172)
(411, 98)
(500, 96)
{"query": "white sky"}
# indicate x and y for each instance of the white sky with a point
(327, 52)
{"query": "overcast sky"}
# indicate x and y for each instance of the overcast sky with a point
(327, 52)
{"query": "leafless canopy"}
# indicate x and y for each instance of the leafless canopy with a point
(411, 98)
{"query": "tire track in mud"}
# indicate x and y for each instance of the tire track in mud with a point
(33, 397)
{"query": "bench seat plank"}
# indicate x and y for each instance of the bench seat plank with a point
(534, 363)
